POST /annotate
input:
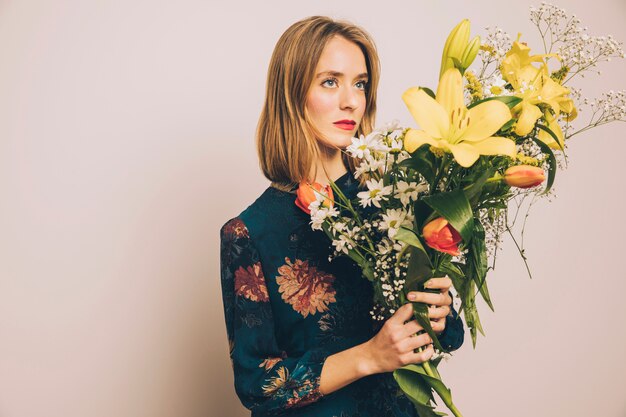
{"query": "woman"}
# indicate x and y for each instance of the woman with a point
(302, 341)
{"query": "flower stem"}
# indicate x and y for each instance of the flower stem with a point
(443, 396)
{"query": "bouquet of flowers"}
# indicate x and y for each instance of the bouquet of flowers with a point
(436, 198)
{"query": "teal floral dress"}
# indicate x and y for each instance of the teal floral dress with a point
(287, 308)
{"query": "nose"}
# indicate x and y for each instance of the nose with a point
(349, 98)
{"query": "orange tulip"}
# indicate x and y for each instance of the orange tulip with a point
(308, 193)
(440, 236)
(524, 176)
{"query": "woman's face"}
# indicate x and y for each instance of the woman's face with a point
(336, 99)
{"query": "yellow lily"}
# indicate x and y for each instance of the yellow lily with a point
(534, 86)
(450, 126)
(519, 57)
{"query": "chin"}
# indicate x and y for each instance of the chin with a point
(341, 141)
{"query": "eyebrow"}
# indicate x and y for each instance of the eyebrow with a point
(340, 74)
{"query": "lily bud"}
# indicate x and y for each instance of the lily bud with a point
(308, 193)
(524, 176)
(471, 50)
(455, 45)
(440, 236)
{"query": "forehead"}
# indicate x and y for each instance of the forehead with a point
(342, 55)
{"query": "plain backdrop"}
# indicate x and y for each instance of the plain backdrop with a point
(127, 140)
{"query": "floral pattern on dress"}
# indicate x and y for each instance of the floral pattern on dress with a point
(308, 289)
(269, 363)
(250, 283)
(300, 388)
(235, 229)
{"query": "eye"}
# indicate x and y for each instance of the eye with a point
(329, 80)
(362, 83)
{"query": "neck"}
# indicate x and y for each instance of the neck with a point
(329, 166)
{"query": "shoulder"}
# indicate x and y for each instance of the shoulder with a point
(273, 207)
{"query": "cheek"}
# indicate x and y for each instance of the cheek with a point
(319, 105)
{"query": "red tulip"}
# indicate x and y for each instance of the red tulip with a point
(440, 236)
(524, 176)
(308, 193)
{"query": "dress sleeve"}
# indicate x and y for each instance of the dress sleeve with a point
(454, 332)
(266, 379)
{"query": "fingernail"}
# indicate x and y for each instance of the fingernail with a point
(427, 284)
(412, 296)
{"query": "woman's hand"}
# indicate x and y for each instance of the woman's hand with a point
(439, 303)
(393, 346)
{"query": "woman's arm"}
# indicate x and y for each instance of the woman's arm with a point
(391, 348)
(394, 345)
(266, 379)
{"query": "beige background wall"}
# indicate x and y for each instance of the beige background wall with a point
(126, 141)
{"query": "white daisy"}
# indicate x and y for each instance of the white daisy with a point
(363, 146)
(377, 192)
(396, 146)
(319, 215)
(393, 219)
(407, 192)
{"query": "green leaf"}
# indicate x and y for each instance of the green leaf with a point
(456, 275)
(417, 389)
(507, 125)
(413, 385)
(408, 236)
(458, 65)
(454, 207)
(470, 312)
(422, 212)
(477, 260)
(419, 269)
(551, 160)
(420, 312)
(476, 187)
(551, 133)
(510, 101)
(422, 160)
(434, 382)
(428, 91)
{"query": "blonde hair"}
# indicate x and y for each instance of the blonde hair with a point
(286, 139)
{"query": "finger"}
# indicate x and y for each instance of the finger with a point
(403, 314)
(409, 344)
(441, 299)
(419, 357)
(412, 327)
(443, 283)
(438, 312)
(438, 326)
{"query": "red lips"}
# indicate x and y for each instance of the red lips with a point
(345, 124)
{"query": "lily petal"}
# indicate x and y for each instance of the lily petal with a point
(450, 91)
(428, 114)
(485, 119)
(465, 154)
(496, 145)
(527, 118)
(415, 138)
